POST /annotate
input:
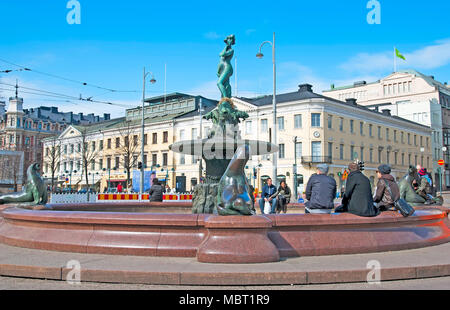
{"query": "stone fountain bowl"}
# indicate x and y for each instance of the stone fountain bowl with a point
(218, 146)
(218, 239)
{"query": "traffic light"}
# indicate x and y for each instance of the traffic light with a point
(361, 166)
(139, 165)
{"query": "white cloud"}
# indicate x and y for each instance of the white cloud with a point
(212, 35)
(429, 57)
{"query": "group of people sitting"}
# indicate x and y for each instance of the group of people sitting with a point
(358, 198)
(277, 198)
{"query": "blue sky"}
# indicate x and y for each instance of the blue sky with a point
(318, 42)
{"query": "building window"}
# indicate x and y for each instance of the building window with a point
(409, 138)
(352, 153)
(388, 157)
(117, 162)
(315, 119)
(280, 123)
(415, 140)
(281, 151)
(351, 126)
(117, 143)
(93, 165)
(330, 150)
(165, 159)
(370, 131)
(341, 124)
(361, 128)
(403, 159)
(361, 155)
(109, 143)
(93, 146)
(194, 134)
(330, 121)
(248, 127)
(145, 139)
(108, 163)
(379, 156)
(297, 121)
(101, 145)
(100, 164)
(316, 150)
(155, 138)
(65, 149)
(182, 159)
(165, 136)
(387, 134)
(298, 150)
(379, 132)
(341, 152)
(154, 160)
(395, 135)
(264, 126)
(371, 155)
(135, 140)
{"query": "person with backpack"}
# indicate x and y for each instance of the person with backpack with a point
(386, 181)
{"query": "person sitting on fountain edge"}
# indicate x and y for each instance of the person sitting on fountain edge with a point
(358, 198)
(267, 191)
(383, 199)
(156, 191)
(424, 188)
(320, 191)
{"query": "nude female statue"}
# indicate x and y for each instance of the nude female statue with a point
(225, 70)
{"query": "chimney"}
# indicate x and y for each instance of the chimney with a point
(106, 117)
(386, 112)
(351, 101)
(305, 88)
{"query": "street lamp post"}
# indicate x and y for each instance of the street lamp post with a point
(295, 170)
(274, 103)
(153, 81)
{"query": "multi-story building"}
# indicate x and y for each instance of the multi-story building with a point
(114, 147)
(331, 131)
(413, 96)
(327, 130)
(23, 130)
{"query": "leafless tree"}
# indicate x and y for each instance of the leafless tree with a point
(52, 157)
(88, 153)
(130, 149)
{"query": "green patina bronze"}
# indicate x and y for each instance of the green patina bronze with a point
(34, 192)
(407, 191)
(225, 70)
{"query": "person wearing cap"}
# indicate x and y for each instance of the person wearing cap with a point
(358, 198)
(424, 188)
(320, 191)
(383, 197)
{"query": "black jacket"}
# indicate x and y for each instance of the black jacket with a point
(156, 193)
(321, 192)
(358, 195)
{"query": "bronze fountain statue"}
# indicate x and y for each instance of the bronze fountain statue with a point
(226, 190)
(34, 192)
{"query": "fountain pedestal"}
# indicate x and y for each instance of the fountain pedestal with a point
(238, 240)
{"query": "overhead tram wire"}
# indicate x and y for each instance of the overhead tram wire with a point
(64, 96)
(68, 79)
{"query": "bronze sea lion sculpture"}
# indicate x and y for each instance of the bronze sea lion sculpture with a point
(34, 192)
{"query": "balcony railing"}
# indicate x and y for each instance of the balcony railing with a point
(316, 159)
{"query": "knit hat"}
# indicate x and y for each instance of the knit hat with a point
(384, 169)
(323, 168)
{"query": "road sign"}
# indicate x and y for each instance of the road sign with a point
(441, 162)
(345, 176)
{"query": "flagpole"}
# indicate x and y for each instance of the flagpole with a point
(395, 61)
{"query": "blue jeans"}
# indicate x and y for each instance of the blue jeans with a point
(274, 205)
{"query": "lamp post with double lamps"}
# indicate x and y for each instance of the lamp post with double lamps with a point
(274, 101)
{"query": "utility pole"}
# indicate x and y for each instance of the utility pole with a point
(295, 169)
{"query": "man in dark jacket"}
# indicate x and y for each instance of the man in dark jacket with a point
(268, 190)
(383, 195)
(156, 191)
(358, 194)
(320, 192)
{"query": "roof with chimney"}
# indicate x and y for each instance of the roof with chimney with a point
(305, 92)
